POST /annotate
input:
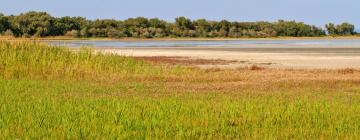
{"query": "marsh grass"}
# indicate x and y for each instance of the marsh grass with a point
(24, 59)
(60, 93)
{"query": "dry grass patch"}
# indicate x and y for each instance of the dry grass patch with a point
(347, 71)
(184, 61)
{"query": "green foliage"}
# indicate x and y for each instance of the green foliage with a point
(331, 29)
(183, 27)
(346, 29)
(341, 29)
(22, 59)
(4, 23)
(33, 24)
(66, 24)
(297, 29)
(42, 24)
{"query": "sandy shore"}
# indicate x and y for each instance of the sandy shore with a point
(285, 58)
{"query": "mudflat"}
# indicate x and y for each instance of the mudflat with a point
(268, 56)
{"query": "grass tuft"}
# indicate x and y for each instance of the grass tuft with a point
(255, 67)
(347, 71)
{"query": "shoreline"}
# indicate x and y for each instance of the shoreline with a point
(183, 39)
(264, 55)
(288, 58)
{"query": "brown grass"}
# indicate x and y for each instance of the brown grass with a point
(255, 67)
(262, 80)
(184, 61)
(347, 71)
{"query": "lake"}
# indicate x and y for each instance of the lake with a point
(350, 43)
(288, 54)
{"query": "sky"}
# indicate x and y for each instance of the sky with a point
(316, 12)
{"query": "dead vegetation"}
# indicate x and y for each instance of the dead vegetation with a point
(347, 71)
(255, 67)
(184, 61)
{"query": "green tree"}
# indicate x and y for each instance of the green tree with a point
(202, 27)
(183, 23)
(157, 23)
(4, 23)
(345, 29)
(341, 29)
(297, 29)
(42, 24)
(66, 24)
(35, 23)
(223, 28)
(183, 27)
(331, 29)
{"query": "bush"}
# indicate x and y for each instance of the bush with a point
(8, 33)
(73, 33)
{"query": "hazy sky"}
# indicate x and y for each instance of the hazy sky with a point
(317, 12)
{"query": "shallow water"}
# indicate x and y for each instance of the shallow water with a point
(349, 43)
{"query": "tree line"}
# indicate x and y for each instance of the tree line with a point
(42, 24)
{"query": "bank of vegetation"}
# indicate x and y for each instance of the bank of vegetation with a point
(59, 93)
(41, 24)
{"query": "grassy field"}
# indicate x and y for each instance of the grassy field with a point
(59, 93)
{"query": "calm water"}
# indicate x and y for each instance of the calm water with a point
(353, 43)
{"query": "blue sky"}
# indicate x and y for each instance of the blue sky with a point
(317, 12)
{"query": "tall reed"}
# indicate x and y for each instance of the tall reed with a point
(31, 59)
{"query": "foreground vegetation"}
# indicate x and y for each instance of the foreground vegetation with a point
(58, 93)
(41, 24)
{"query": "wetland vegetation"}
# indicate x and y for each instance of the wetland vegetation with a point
(60, 93)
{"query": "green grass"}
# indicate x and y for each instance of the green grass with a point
(33, 60)
(56, 93)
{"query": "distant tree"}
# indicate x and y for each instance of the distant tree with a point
(8, 32)
(285, 28)
(297, 29)
(135, 26)
(182, 27)
(345, 29)
(202, 27)
(139, 22)
(35, 23)
(66, 24)
(331, 29)
(158, 28)
(4, 23)
(73, 33)
(157, 23)
(42, 24)
(41, 32)
(183, 23)
(158, 32)
(342, 29)
(223, 28)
